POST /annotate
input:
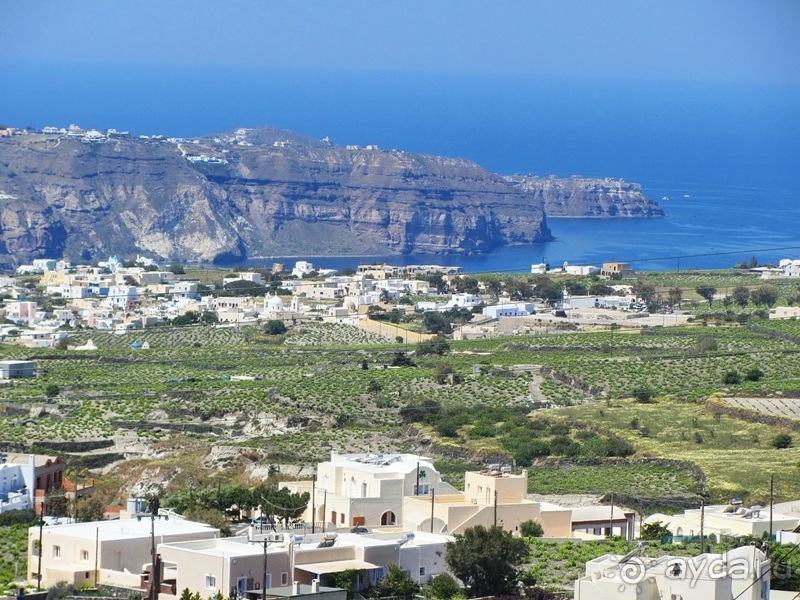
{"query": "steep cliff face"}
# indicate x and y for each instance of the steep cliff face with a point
(265, 192)
(238, 195)
(588, 197)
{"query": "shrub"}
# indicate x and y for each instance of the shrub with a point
(531, 528)
(732, 378)
(782, 440)
(753, 374)
(643, 395)
(443, 587)
(275, 327)
(51, 390)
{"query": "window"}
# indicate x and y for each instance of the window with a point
(422, 571)
(84, 555)
(56, 551)
(284, 578)
(211, 582)
(35, 548)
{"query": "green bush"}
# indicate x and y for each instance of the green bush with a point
(442, 587)
(732, 378)
(782, 440)
(531, 528)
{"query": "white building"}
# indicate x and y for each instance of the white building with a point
(222, 565)
(610, 302)
(17, 483)
(509, 309)
(302, 268)
(791, 268)
(111, 552)
(740, 574)
(13, 369)
(582, 270)
(368, 489)
(727, 519)
(121, 296)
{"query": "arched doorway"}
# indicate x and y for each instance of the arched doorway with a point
(388, 518)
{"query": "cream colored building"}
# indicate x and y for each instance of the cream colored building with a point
(368, 489)
(741, 574)
(224, 565)
(492, 496)
(113, 552)
(727, 519)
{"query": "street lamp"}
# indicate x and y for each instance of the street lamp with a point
(153, 517)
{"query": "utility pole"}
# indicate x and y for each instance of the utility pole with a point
(416, 489)
(324, 508)
(495, 508)
(771, 484)
(39, 570)
(155, 575)
(702, 521)
(611, 518)
(313, 505)
(433, 500)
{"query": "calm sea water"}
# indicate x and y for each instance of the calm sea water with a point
(733, 150)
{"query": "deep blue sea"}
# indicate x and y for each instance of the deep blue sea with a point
(726, 155)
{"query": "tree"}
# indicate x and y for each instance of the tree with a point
(397, 583)
(89, 509)
(209, 317)
(741, 295)
(654, 531)
(177, 269)
(732, 378)
(599, 288)
(486, 560)
(645, 291)
(782, 440)
(51, 390)
(754, 374)
(443, 372)
(675, 296)
(214, 518)
(766, 295)
(436, 323)
(531, 528)
(443, 587)
(374, 387)
(707, 292)
(437, 346)
(643, 395)
(274, 327)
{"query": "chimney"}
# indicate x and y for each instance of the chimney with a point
(295, 588)
(251, 532)
(315, 586)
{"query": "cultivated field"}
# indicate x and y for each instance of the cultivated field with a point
(289, 400)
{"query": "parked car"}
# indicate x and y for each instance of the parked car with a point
(359, 529)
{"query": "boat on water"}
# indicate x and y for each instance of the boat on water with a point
(686, 196)
(665, 197)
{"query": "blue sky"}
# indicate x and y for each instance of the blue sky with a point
(710, 40)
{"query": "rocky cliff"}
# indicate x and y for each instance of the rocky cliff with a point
(249, 193)
(587, 197)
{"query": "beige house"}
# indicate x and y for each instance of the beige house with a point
(620, 270)
(727, 519)
(741, 574)
(368, 489)
(492, 496)
(112, 552)
(785, 312)
(237, 564)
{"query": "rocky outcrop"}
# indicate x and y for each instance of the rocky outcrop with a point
(587, 197)
(262, 192)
